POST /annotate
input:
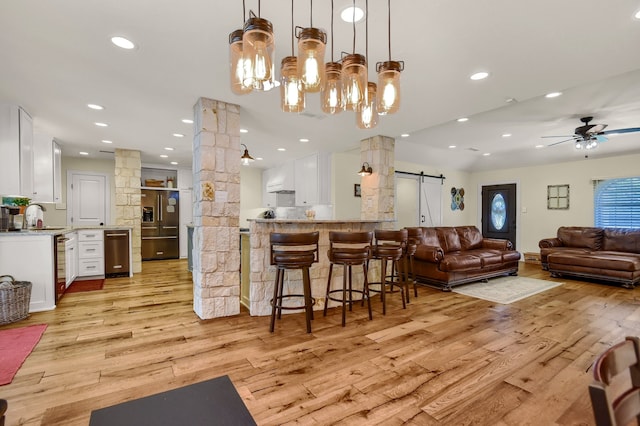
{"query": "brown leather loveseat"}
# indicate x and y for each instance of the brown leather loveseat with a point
(609, 254)
(448, 256)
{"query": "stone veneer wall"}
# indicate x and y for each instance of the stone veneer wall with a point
(263, 274)
(216, 218)
(127, 181)
(378, 192)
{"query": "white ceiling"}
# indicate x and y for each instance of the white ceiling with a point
(56, 56)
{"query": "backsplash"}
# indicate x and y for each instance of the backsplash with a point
(323, 212)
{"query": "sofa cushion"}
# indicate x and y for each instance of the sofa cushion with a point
(581, 236)
(449, 240)
(624, 240)
(430, 237)
(487, 257)
(470, 237)
(605, 261)
(460, 262)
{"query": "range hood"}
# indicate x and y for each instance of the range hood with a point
(285, 198)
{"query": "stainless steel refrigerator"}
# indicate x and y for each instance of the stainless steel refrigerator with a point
(160, 224)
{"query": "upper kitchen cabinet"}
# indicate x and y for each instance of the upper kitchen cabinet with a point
(281, 178)
(16, 151)
(268, 198)
(313, 179)
(47, 170)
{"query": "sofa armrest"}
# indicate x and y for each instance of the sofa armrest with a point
(550, 242)
(496, 244)
(431, 254)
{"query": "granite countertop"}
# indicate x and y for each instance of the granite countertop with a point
(57, 230)
(320, 221)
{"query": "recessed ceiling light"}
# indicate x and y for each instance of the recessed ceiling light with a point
(187, 121)
(281, 149)
(106, 141)
(553, 95)
(259, 158)
(486, 154)
(462, 119)
(123, 42)
(304, 140)
(178, 135)
(95, 106)
(511, 100)
(637, 15)
(479, 75)
(351, 14)
(83, 153)
(164, 156)
(539, 146)
(244, 131)
(404, 135)
(101, 124)
(168, 148)
(452, 146)
(506, 135)
(175, 163)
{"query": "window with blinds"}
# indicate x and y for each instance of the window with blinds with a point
(617, 203)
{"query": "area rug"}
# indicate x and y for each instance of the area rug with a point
(85, 285)
(15, 346)
(212, 402)
(506, 290)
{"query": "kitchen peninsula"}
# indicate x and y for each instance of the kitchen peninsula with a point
(262, 274)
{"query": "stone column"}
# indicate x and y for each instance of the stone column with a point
(216, 219)
(128, 213)
(378, 189)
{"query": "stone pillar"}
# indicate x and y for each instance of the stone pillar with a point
(128, 213)
(216, 219)
(378, 189)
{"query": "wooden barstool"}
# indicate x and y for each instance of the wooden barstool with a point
(348, 249)
(390, 246)
(415, 237)
(293, 251)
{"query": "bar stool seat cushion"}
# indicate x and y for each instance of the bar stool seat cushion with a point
(391, 251)
(347, 255)
(294, 258)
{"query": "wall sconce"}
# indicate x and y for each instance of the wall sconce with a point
(365, 171)
(246, 158)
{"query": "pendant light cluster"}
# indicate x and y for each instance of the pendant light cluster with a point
(343, 85)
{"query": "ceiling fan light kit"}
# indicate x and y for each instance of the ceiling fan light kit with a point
(588, 136)
(343, 84)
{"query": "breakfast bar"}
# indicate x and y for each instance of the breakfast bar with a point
(262, 274)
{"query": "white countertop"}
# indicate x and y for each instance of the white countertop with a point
(320, 221)
(57, 230)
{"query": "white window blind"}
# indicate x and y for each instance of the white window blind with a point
(617, 203)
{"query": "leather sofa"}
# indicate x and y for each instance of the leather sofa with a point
(608, 254)
(449, 256)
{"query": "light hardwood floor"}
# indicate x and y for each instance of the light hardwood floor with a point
(447, 359)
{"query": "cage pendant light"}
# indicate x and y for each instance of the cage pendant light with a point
(291, 94)
(331, 92)
(367, 117)
(258, 49)
(354, 76)
(311, 48)
(389, 79)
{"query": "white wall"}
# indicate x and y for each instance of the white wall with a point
(250, 194)
(56, 214)
(345, 167)
(538, 222)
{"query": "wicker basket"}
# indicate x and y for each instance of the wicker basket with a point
(14, 299)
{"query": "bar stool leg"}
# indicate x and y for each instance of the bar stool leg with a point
(274, 301)
(405, 276)
(365, 288)
(413, 277)
(344, 294)
(402, 285)
(383, 284)
(326, 297)
(306, 283)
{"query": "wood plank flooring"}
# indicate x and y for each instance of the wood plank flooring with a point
(447, 359)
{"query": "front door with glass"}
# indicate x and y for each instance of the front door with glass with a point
(499, 212)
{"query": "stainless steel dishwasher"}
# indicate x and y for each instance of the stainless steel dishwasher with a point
(116, 253)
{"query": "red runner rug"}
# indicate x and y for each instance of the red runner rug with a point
(15, 346)
(85, 285)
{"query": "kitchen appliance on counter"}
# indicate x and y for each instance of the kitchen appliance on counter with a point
(9, 216)
(160, 224)
(116, 253)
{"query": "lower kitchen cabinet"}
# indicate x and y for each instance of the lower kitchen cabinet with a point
(90, 253)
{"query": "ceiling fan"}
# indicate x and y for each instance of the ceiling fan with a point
(588, 136)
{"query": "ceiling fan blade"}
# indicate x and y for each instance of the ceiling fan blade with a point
(601, 138)
(566, 140)
(614, 132)
(560, 136)
(597, 128)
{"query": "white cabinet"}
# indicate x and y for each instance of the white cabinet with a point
(47, 170)
(281, 178)
(312, 180)
(71, 257)
(90, 252)
(16, 151)
(268, 198)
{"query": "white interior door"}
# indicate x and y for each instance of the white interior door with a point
(418, 200)
(88, 199)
